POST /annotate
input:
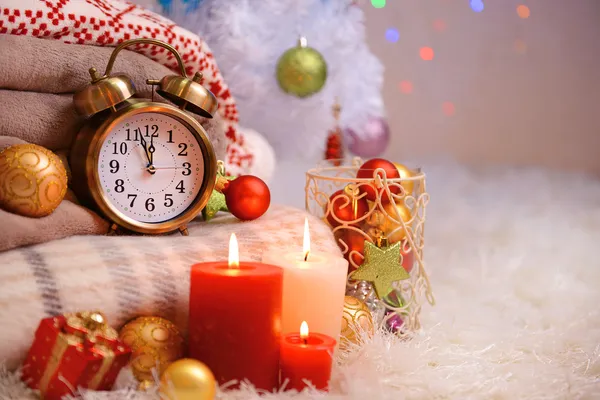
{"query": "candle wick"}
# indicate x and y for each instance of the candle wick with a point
(305, 341)
(306, 256)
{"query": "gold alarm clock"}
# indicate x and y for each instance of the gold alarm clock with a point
(149, 167)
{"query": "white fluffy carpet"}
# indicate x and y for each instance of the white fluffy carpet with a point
(515, 267)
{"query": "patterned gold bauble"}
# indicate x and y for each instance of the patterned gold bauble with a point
(405, 173)
(356, 318)
(33, 180)
(188, 379)
(390, 225)
(155, 343)
(301, 70)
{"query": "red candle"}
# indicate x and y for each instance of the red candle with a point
(306, 357)
(235, 319)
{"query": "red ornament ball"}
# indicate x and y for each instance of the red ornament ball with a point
(367, 170)
(342, 208)
(247, 197)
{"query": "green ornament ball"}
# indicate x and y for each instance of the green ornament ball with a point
(301, 71)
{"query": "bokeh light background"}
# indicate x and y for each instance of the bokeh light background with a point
(491, 81)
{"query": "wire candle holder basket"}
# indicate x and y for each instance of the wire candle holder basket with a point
(385, 212)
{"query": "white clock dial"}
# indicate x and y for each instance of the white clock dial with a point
(151, 167)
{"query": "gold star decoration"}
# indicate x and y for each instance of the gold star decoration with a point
(381, 267)
(216, 202)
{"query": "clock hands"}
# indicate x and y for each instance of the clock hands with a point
(157, 168)
(145, 146)
(151, 150)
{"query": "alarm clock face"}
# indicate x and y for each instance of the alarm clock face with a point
(150, 167)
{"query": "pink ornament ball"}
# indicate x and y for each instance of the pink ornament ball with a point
(371, 141)
(394, 323)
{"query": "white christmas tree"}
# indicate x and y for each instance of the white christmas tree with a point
(248, 37)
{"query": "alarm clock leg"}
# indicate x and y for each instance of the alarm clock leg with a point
(113, 230)
(183, 230)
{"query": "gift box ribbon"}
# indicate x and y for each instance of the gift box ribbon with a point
(87, 332)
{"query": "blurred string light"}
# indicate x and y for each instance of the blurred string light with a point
(476, 5)
(378, 3)
(405, 87)
(520, 46)
(426, 53)
(448, 108)
(523, 11)
(392, 35)
(439, 25)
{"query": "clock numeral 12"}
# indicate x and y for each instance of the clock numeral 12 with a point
(155, 128)
(170, 136)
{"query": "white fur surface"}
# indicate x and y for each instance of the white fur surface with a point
(248, 37)
(513, 258)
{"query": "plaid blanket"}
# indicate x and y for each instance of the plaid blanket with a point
(128, 276)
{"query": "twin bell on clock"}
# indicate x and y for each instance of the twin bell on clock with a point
(148, 167)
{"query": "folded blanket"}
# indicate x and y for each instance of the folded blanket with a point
(106, 24)
(37, 107)
(130, 276)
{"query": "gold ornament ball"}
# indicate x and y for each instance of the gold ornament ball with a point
(301, 71)
(188, 379)
(390, 225)
(355, 318)
(405, 173)
(155, 343)
(33, 180)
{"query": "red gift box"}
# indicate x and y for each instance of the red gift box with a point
(73, 351)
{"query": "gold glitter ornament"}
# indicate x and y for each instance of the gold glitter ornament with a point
(301, 70)
(155, 343)
(381, 267)
(33, 180)
(188, 379)
(355, 318)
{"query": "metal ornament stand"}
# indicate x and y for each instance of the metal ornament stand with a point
(409, 294)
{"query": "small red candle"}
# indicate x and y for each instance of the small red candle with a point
(306, 357)
(235, 319)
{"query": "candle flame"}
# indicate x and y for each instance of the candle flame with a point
(304, 330)
(234, 252)
(306, 243)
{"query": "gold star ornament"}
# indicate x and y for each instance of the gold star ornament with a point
(381, 267)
